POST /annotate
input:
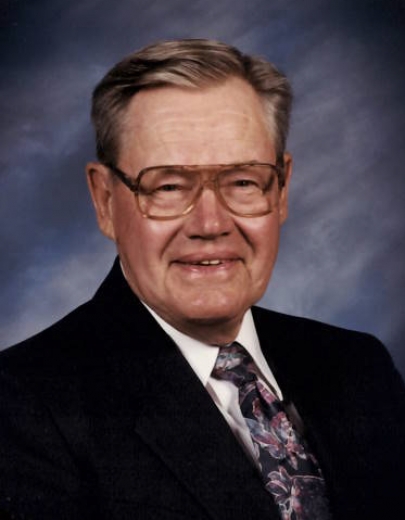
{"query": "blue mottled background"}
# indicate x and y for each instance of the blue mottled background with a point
(342, 252)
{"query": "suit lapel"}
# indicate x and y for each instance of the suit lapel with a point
(182, 425)
(301, 381)
(176, 417)
(339, 381)
(309, 365)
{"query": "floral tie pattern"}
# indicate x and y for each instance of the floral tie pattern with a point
(290, 472)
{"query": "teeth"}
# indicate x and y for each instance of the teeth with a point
(209, 262)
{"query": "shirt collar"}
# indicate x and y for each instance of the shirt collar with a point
(202, 356)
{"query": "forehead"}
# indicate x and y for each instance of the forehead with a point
(173, 122)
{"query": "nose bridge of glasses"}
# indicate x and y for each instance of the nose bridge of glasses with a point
(208, 179)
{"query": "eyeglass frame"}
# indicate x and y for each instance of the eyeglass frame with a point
(133, 185)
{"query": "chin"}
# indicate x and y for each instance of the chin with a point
(214, 315)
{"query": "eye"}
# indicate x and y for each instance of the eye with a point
(245, 183)
(242, 182)
(169, 187)
(165, 182)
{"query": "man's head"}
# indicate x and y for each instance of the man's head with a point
(193, 103)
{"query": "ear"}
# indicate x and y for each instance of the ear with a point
(100, 185)
(283, 205)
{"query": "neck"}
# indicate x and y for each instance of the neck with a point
(209, 331)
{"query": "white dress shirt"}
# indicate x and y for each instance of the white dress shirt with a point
(202, 357)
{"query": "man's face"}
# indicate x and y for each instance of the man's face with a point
(165, 261)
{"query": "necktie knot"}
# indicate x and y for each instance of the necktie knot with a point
(234, 364)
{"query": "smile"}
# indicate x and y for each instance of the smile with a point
(207, 262)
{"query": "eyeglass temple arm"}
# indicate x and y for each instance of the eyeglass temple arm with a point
(123, 177)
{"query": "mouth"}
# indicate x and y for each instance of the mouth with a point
(207, 270)
(206, 262)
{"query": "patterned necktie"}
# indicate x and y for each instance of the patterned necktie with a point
(290, 472)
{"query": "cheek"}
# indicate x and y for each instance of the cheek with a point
(145, 242)
(262, 234)
(263, 238)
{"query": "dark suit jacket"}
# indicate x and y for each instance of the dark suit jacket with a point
(102, 418)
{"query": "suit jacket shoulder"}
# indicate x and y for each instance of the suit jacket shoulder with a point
(305, 350)
(351, 399)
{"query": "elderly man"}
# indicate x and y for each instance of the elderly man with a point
(168, 396)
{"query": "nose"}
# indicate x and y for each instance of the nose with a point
(209, 218)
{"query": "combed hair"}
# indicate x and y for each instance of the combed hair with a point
(190, 63)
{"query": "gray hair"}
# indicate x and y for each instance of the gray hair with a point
(191, 63)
